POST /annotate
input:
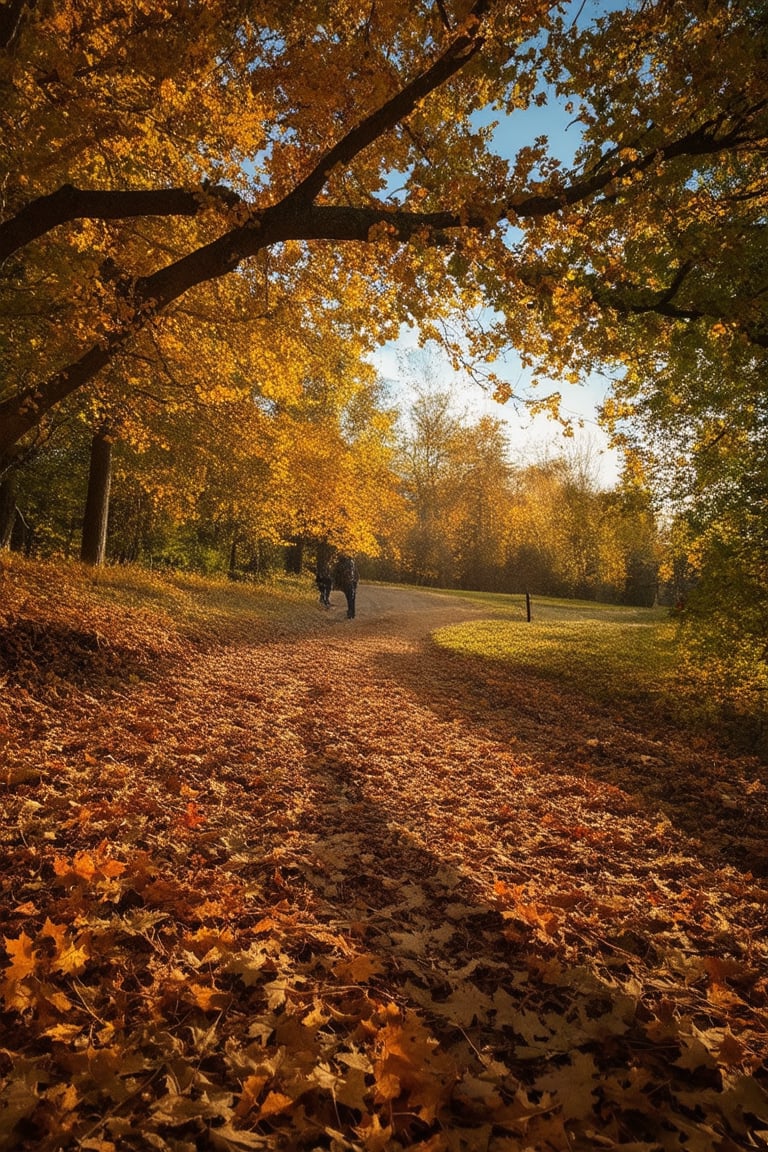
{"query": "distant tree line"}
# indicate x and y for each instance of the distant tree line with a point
(438, 503)
(476, 519)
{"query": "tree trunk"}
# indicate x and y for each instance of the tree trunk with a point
(97, 501)
(232, 573)
(7, 509)
(294, 556)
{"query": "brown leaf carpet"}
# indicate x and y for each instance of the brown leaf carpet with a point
(319, 884)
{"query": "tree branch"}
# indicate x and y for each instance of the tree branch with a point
(296, 217)
(466, 44)
(706, 140)
(11, 15)
(285, 221)
(70, 203)
(663, 304)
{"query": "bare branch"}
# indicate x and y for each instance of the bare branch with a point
(11, 16)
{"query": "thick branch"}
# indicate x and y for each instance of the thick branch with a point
(707, 140)
(292, 220)
(19, 416)
(297, 218)
(466, 45)
(660, 302)
(663, 304)
(70, 203)
(152, 294)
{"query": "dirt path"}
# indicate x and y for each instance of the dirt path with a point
(404, 612)
(716, 799)
(357, 892)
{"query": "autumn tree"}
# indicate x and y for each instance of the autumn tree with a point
(225, 485)
(152, 154)
(481, 518)
(456, 480)
(696, 423)
(203, 490)
(96, 514)
(568, 535)
(485, 473)
(431, 485)
(47, 497)
(339, 489)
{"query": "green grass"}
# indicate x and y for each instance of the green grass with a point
(602, 649)
(549, 607)
(202, 605)
(172, 604)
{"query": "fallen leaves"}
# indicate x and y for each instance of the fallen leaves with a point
(22, 962)
(240, 914)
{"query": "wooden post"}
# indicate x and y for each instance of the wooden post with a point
(528, 607)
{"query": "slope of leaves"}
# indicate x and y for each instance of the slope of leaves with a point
(273, 879)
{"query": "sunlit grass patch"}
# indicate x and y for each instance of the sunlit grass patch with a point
(552, 608)
(211, 602)
(172, 603)
(605, 654)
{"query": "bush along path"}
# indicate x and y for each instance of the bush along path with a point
(296, 882)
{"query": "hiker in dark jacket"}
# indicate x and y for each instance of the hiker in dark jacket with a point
(324, 578)
(345, 577)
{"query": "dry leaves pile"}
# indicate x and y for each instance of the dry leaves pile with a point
(323, 886)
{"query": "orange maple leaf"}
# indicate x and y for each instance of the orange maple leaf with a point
(411, 1064)
(57, 932)
(358, 969)
(23, 958)
(86, 866)
(193, 816)
(252, 1087)
(23, 963)
(73, 955)
(274, 1103)
(207, 998)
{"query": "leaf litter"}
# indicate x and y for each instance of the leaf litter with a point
(291, 882)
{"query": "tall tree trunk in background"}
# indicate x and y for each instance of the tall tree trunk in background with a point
(7, 509)
(97, 501)
(294, 556)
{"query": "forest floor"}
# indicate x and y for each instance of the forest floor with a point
(275, 879)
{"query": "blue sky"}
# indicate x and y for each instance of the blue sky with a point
(528, 437)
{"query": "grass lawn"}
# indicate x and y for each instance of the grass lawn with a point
(605, 650)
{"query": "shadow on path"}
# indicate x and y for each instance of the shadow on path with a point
(717, 797)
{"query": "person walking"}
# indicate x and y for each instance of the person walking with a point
(345, 577)
(324, 579)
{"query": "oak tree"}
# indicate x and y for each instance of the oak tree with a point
(153, 151)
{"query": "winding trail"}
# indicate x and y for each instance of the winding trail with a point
(457, 908)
